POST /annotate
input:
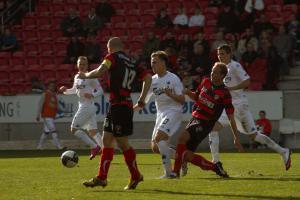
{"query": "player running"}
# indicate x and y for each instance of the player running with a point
(85, 117)
(169, 98)
(236, 81)
(118, 124)
(211, 98)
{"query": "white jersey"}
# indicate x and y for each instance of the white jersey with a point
(236, 74)
(82, 86)
(162, 101)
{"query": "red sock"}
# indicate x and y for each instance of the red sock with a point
(106, 158)
(130, 159)
(180, 149)
(202, 163)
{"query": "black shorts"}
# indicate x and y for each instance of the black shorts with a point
(118, 121)
(198, 130)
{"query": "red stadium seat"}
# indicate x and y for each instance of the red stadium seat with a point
(29, 23)
(17, 75)
(44, 36)
(274, 8)
(211, 10)
(4, 76)
(290, 8)
(46, 49)
(31, 60)
(30, 36)
(44, 23)
(129, 6)
(33, 71)
(45, 60)
(4, 88)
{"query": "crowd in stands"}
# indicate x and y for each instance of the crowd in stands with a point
(264, 46)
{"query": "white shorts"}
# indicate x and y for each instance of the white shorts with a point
(167, 122)
(49, 125)
(243, 118)
(85, 118)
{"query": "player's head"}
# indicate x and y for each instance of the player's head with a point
(224, 53)
(82, 63)
(262, 114)
(159, 62)
(51, 85)
(114, 44)
(218, 73)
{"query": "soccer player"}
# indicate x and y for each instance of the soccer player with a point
(118, 124)
(236, 81)
(47, 109)
(169, 98)
(85, 117)
(211, 98)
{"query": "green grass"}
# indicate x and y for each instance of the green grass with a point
(40, 175)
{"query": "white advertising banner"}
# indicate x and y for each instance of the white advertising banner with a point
(23, 109)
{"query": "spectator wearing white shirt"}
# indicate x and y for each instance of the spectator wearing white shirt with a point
(181, 19)
(197, 19)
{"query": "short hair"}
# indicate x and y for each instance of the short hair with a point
(115, 42)
(225, 47)
(222, 67)
(82, 58)
(262, 111)
(162, 55)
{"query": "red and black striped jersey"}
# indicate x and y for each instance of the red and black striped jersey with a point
(211, 101)
(123, 71)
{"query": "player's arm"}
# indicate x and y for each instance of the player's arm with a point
(243, 85)
(97, 88)
(145, 89)
(191, 94)
(40, 106)
(100, 71)
(236, 139)
(68, 91)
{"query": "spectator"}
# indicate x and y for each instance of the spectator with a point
(245, 38)
(8, 41)
(37, 87)
(163, 20)
(185, 44)
(250, 55)
(105, 11)
(262, 24)
(74, 49)
(228, 21)
(169, 41)
(151, 44)
(219, 41)
(197, 20)
(254, 6)
(92, 49)
(181, 19)
(283, 44)
(216, 3)
(200, 39)
(2, 5)
(71, 25)
(201, 63)
(93, 23)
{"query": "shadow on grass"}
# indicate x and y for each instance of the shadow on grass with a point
(169, 192)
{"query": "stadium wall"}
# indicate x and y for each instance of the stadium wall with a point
(19, 130)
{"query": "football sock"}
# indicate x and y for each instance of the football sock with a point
(180, 149)
(85, 138)
(130, 159)
(263, 139)
(165, 156)
(56, 140)
(202, 163)
(106, 158)
(98, 139)
(214, 146)
(42, 140)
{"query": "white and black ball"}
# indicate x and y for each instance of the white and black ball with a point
(69, 158)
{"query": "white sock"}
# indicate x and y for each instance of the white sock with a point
(165, 156)
(85, 138)
(42, 140)
(263, 139)
(55, 140)
(98, 139)
(214, 146)
(172, 153)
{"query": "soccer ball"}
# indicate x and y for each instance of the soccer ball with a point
(69, 158)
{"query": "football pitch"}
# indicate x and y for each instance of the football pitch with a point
(40, 175)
